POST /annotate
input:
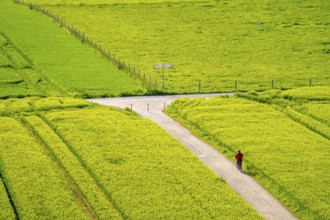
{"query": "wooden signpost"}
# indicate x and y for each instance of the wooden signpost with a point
(163, 66)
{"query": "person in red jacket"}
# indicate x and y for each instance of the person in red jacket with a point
(239, 159)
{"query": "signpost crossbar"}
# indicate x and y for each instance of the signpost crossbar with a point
(163, 66)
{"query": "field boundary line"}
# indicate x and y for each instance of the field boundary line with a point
(60, 167)
(107, 194)
(9, 197)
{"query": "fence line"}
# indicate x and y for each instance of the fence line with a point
(121, 65)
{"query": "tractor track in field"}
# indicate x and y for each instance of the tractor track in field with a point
(243, 184)
(84, 166)
(9, 197)
(66, 175)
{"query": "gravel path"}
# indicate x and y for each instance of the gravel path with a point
(152, 106)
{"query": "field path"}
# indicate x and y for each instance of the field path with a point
(152, 106)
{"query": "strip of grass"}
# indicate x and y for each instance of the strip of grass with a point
(214, 42)
(286, 157)
(37, 188)
(61, 61)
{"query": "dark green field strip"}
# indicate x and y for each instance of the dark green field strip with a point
(61, 61)
(9, 76)
(97, 201)
(7, 208)
(18, 78)
(37, 188)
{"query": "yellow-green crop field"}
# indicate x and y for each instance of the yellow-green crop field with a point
(284, 148)
(65, 158)
(211, 44)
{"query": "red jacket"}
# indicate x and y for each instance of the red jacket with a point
(239, 156)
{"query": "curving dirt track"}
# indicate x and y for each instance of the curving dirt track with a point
(152, 106)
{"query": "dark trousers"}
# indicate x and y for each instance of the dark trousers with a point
(239, 164)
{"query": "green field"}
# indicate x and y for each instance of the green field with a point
(284, 148)
(46, 61)
(211, 44)
(56, 152)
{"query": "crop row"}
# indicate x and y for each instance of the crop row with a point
(285, 156)
(318, 93)
(27, 105)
